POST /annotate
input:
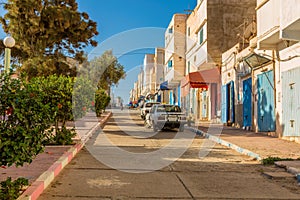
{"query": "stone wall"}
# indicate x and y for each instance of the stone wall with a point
(224, 21)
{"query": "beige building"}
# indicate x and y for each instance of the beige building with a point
(148, 71)
(157, 74)
(175, 47)
(140, 83)
(159, 61)
(212, 28)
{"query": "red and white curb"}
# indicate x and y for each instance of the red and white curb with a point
(44, 180)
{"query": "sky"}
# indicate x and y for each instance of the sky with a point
(130, 28)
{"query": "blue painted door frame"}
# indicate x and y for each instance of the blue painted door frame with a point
(178, 96)
(171, 99)
(231, 99)
(247, 102)
(224, 104)
(228, 110)
(265, 102)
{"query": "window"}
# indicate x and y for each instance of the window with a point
(189, 31)
(170, 63)
(173, 108)
(201, 37)
(189, 67)
(171, 30)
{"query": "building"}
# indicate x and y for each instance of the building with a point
(278, 32)
(175, 47)
(158, 74)
(212, 28)
(148, 87)
(140, 85)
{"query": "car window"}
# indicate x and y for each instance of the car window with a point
(161, 109)
(149, 105)
(172, 108)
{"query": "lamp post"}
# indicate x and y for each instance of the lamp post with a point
(8, 42)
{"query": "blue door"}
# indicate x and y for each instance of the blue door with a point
(291, 103)
(159, 98)
(231, 102)
(247, 103)
(171, 97)
(265, 103)
(178, 96)
(224, 104)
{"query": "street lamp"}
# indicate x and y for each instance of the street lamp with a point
(8, 42)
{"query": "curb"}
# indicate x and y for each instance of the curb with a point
(45, 179)
(227, 144)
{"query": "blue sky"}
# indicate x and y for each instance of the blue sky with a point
(120, 22)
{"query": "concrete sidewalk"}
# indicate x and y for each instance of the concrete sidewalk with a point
(256, 145)
(47, 165)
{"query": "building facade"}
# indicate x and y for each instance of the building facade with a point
(212, 28)
(148, 74)
(175, 47)
(279, 32)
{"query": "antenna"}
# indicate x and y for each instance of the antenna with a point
(188, 10)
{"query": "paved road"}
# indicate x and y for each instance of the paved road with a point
(129, 161)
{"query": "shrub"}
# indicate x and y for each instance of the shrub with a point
(10, 190)
(101, 101)
(24, 117)
(69, 99)
(272, 160)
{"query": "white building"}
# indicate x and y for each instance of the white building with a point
(279, 32)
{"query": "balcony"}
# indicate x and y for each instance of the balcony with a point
(173, 77)
(290, 20)
(268, 24)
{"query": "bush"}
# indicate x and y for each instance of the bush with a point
(63, 136)
(272, 160)
(69, 99)
(24, 117)
(101, 101)
(11, 190)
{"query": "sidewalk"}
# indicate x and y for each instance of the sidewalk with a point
(256, 145)
(47, 165)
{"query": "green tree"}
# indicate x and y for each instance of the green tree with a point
(105, 71)
(83, 96)
(46, 32)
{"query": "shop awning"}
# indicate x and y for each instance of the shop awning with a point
(200, 79)
(164, 86)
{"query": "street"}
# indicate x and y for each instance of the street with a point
(129, 161)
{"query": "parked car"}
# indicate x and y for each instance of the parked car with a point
(167, 116)
(146, 108)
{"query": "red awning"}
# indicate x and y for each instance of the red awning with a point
(200, 79)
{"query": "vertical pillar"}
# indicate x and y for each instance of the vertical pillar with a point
(7, 60)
